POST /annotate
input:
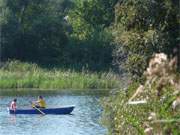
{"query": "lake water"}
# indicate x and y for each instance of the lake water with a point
(85, 118)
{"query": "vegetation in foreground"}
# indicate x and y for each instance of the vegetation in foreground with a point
(23, 75)
(150, 109)
(142, 29)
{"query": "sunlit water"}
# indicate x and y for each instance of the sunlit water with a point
(85, 119)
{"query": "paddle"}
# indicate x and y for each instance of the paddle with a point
(37, 108)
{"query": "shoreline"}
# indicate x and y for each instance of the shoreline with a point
(29, 92)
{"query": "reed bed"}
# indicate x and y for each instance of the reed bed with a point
(16, 74)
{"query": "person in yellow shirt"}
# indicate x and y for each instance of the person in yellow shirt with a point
(40, 103)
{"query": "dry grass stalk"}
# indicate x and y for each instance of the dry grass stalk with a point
(160, 73)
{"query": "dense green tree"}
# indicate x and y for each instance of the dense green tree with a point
(143, 28)
(90, 37)
(88, 16)
(33, 31)
(64, 32)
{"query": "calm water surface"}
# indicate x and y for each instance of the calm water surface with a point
(85, 119)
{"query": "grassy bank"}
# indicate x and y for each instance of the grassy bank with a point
(157, 116)
(24, 75)
(148, 108)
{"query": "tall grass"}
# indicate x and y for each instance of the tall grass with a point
(126, 114)
(16, 74)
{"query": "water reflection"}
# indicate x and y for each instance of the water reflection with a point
(12, 119)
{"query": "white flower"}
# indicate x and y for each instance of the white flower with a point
(148, 131)
(152, 116)
(160, 58)
(66, 18)
(176, 103)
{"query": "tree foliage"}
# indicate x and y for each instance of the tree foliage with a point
(143, 28)
(70, 34)
(90, 36)
(91, 15)
(33, 31)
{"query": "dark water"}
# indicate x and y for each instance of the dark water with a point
(85, 119)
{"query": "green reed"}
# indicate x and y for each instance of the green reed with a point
(16, 74)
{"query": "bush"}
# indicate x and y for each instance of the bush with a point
(156, 106)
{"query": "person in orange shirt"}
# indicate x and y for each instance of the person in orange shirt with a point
(13, 105)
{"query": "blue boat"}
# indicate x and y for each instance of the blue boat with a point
(61, 110)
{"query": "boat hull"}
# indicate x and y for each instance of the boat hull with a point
(61, 110)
